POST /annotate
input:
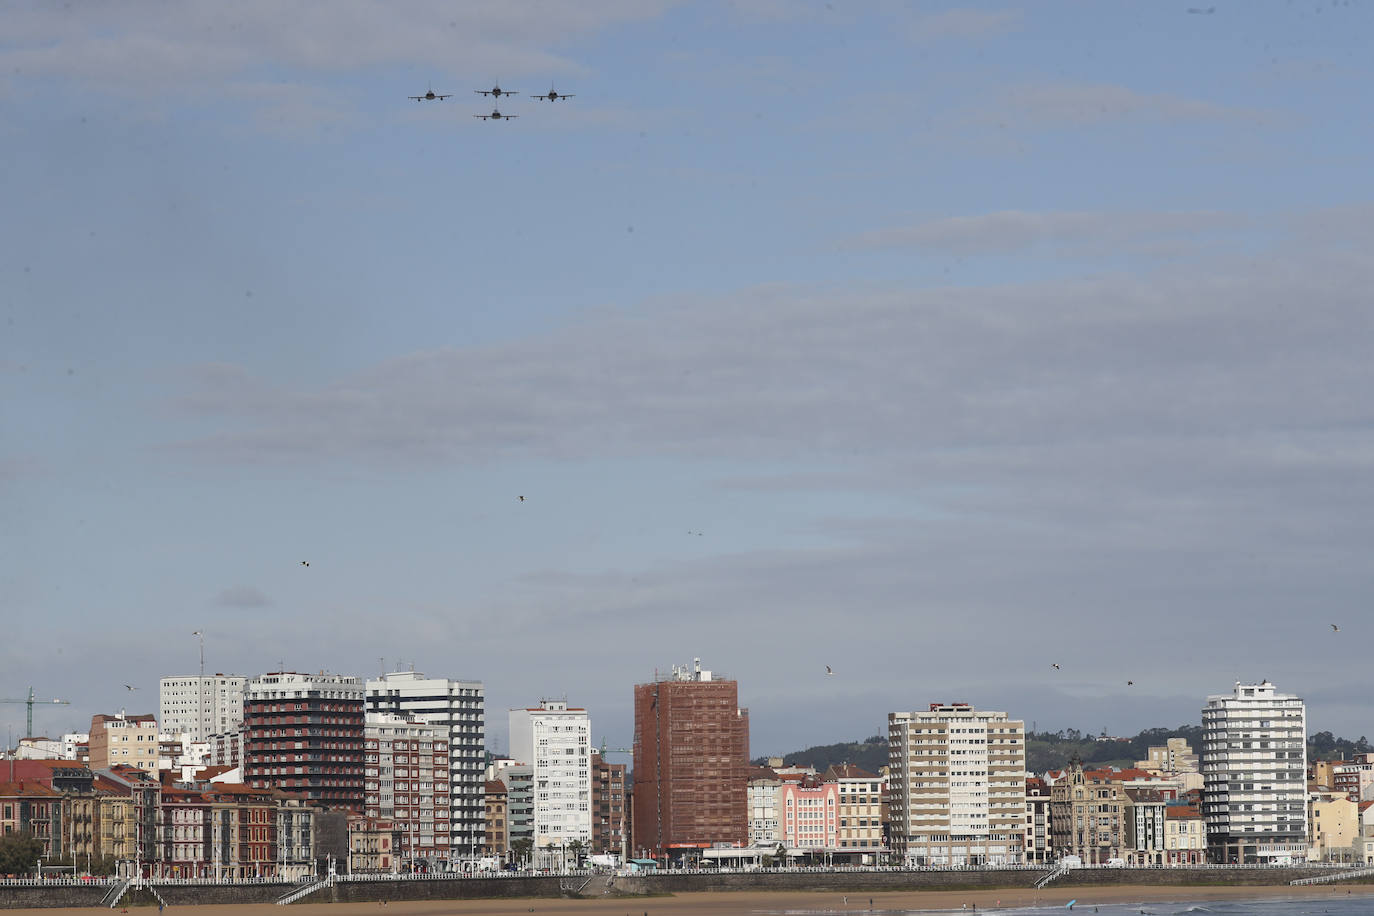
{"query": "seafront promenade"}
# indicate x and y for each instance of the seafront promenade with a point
(355, 889)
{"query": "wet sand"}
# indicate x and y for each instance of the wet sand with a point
(771, 903)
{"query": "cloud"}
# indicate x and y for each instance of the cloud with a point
(962, 24)
(1082, 103)
(242, 596)
(198, 51)
(1014, 230)
(765, 372)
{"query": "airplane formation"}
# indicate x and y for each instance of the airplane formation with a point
(495, 92)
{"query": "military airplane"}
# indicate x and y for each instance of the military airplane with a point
(553, 96)
(496, 115)
(495, 91)
(430, 96)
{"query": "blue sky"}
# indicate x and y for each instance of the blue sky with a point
(971, 338)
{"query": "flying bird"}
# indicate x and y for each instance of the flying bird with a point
(1130, 683)
(130, 687)
(1335, 629)
(305, 562)
(521, 498)
(1054, 665)
(829, 670)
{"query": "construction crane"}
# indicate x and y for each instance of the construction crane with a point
(614, 750)
(29, 702)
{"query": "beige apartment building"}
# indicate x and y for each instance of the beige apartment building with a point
(860, 829)
(1088, 812)
(1185, 836)
(123, 739)
(957, 786)
(1334, 821)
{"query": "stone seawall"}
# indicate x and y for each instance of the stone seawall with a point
(24, 897)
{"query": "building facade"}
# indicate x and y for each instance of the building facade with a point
(460, 706)
(859, 834)
(761, 792)
(304, 733)
(556, 740)
(1088, 813)
(496, 842)
(406, 783)
(1254, 770)
(957, 793)
(809, 812)
(691, 757)
(608, 807)
(123, 740)
(201, 706)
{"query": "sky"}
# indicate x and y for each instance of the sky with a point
(938, 344)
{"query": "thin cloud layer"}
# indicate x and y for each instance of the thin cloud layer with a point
(1073, 103)
(962, 23)
(1013, 230)
(198, 46)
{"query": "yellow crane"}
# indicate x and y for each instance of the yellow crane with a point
(29, 702)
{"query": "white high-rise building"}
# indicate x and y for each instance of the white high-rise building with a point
(1254, 776)
(459, 706)
(957, 786)
(199, 706)
(557, 742)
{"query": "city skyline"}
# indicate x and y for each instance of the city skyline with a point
(932, 346)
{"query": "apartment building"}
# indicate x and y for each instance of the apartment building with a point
(957, 786)
(761, 793)
(859, 833)
(460, 706)
(691, 754)
(201, 705)
(608, 807)
(555, 739)
(123, 739)
(1254, 768)
(1088, 815)
(304, 733)
(496, 842)
(406, 782)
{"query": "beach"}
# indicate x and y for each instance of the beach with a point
(791, 903)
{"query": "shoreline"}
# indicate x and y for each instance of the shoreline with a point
(780, 903)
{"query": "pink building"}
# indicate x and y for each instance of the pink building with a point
(808, 814)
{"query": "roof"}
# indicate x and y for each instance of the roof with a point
(101, 718)
(24, 789)
(848, 771)
(495, 787)
(1182, 811)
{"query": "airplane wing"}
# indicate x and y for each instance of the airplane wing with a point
(415, 97)
(450, 95)
(565, 95)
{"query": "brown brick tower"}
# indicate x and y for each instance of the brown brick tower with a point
(691, 752)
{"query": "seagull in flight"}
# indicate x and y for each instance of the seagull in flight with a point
(1130, 683)
(130, 687)
(829, 670)
(305, 562)
(521, 498)
(1054, 665)
(1335, 629)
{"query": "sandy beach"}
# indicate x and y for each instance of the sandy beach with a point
(766, 903)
